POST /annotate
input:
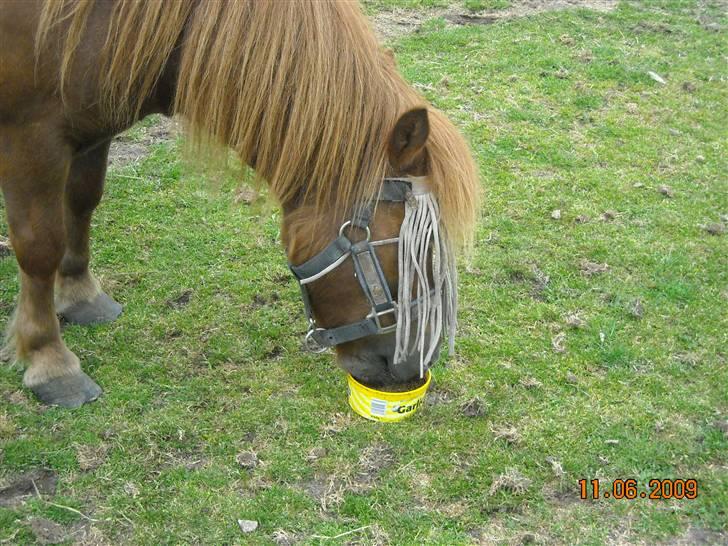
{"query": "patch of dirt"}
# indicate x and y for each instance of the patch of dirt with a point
(47, 531)
(87, 535)
(695, 536)
(636, 309)
(131, 489)
(540, 283)
(716, 228)
(558, 342)
(274, 353)
(667, 191)
(467, 19)
(561, 497)
(5, 248)
(530, 383)
(575, 321)
(328, 491)
(372, 461)
(281, 537)
(508, 434)
(437, 397)
(592, 268)
(533, 275)
(17, 398)
(338, 423)
(261, 301)
(247, 459)
(125, 150)
(245, 194)
(25, 486)
(493, 533)
(181, 300)
(316, 453)
(474, 407)
(190, 460)
(392, 24)
(395, 23)
(91, 457)
(650, 26)
(512, 481)
(722, 425)
(282, 278)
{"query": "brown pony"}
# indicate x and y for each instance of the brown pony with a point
(299, 89)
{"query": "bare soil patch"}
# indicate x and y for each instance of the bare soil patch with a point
(91, 457)
(26, 485)
(126, 149)
(181, 300)
(328, 490)
(474, 407)
(695, 536)
(47, 531)
(5, 248)
(392, 24)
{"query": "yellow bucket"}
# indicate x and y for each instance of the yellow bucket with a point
(385, 406)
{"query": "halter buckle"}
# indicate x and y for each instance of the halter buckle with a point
(374, 315)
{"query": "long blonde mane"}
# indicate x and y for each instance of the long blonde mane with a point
(300, 89)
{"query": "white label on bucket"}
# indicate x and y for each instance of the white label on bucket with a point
(379, 407)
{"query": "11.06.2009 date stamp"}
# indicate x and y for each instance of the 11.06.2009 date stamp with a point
(631, 489)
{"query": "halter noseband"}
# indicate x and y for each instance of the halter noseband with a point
(368, 272)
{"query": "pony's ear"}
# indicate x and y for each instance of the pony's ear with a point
(407, 141)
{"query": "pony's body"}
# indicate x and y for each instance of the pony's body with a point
(316, 107)
(30, 91)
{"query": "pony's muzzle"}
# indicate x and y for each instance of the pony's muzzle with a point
(409, 368)
(371, 360)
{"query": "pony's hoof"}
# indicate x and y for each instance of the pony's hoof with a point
(101, 309)
(68, 391)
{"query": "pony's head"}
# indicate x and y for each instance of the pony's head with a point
(379, 282)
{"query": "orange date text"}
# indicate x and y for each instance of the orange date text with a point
(631, 489)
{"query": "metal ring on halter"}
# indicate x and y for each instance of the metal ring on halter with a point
(348, 223)
(311, 344)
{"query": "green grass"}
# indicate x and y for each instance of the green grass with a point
(374, 6)
(561, 114)
(479, 5)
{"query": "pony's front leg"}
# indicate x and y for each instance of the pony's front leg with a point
(33, 177)
(78, 296)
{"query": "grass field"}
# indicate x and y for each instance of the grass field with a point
(593, 324)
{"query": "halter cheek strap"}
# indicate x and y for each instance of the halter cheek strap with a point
(368, 272)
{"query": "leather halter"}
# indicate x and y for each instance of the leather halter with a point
(367, 270)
